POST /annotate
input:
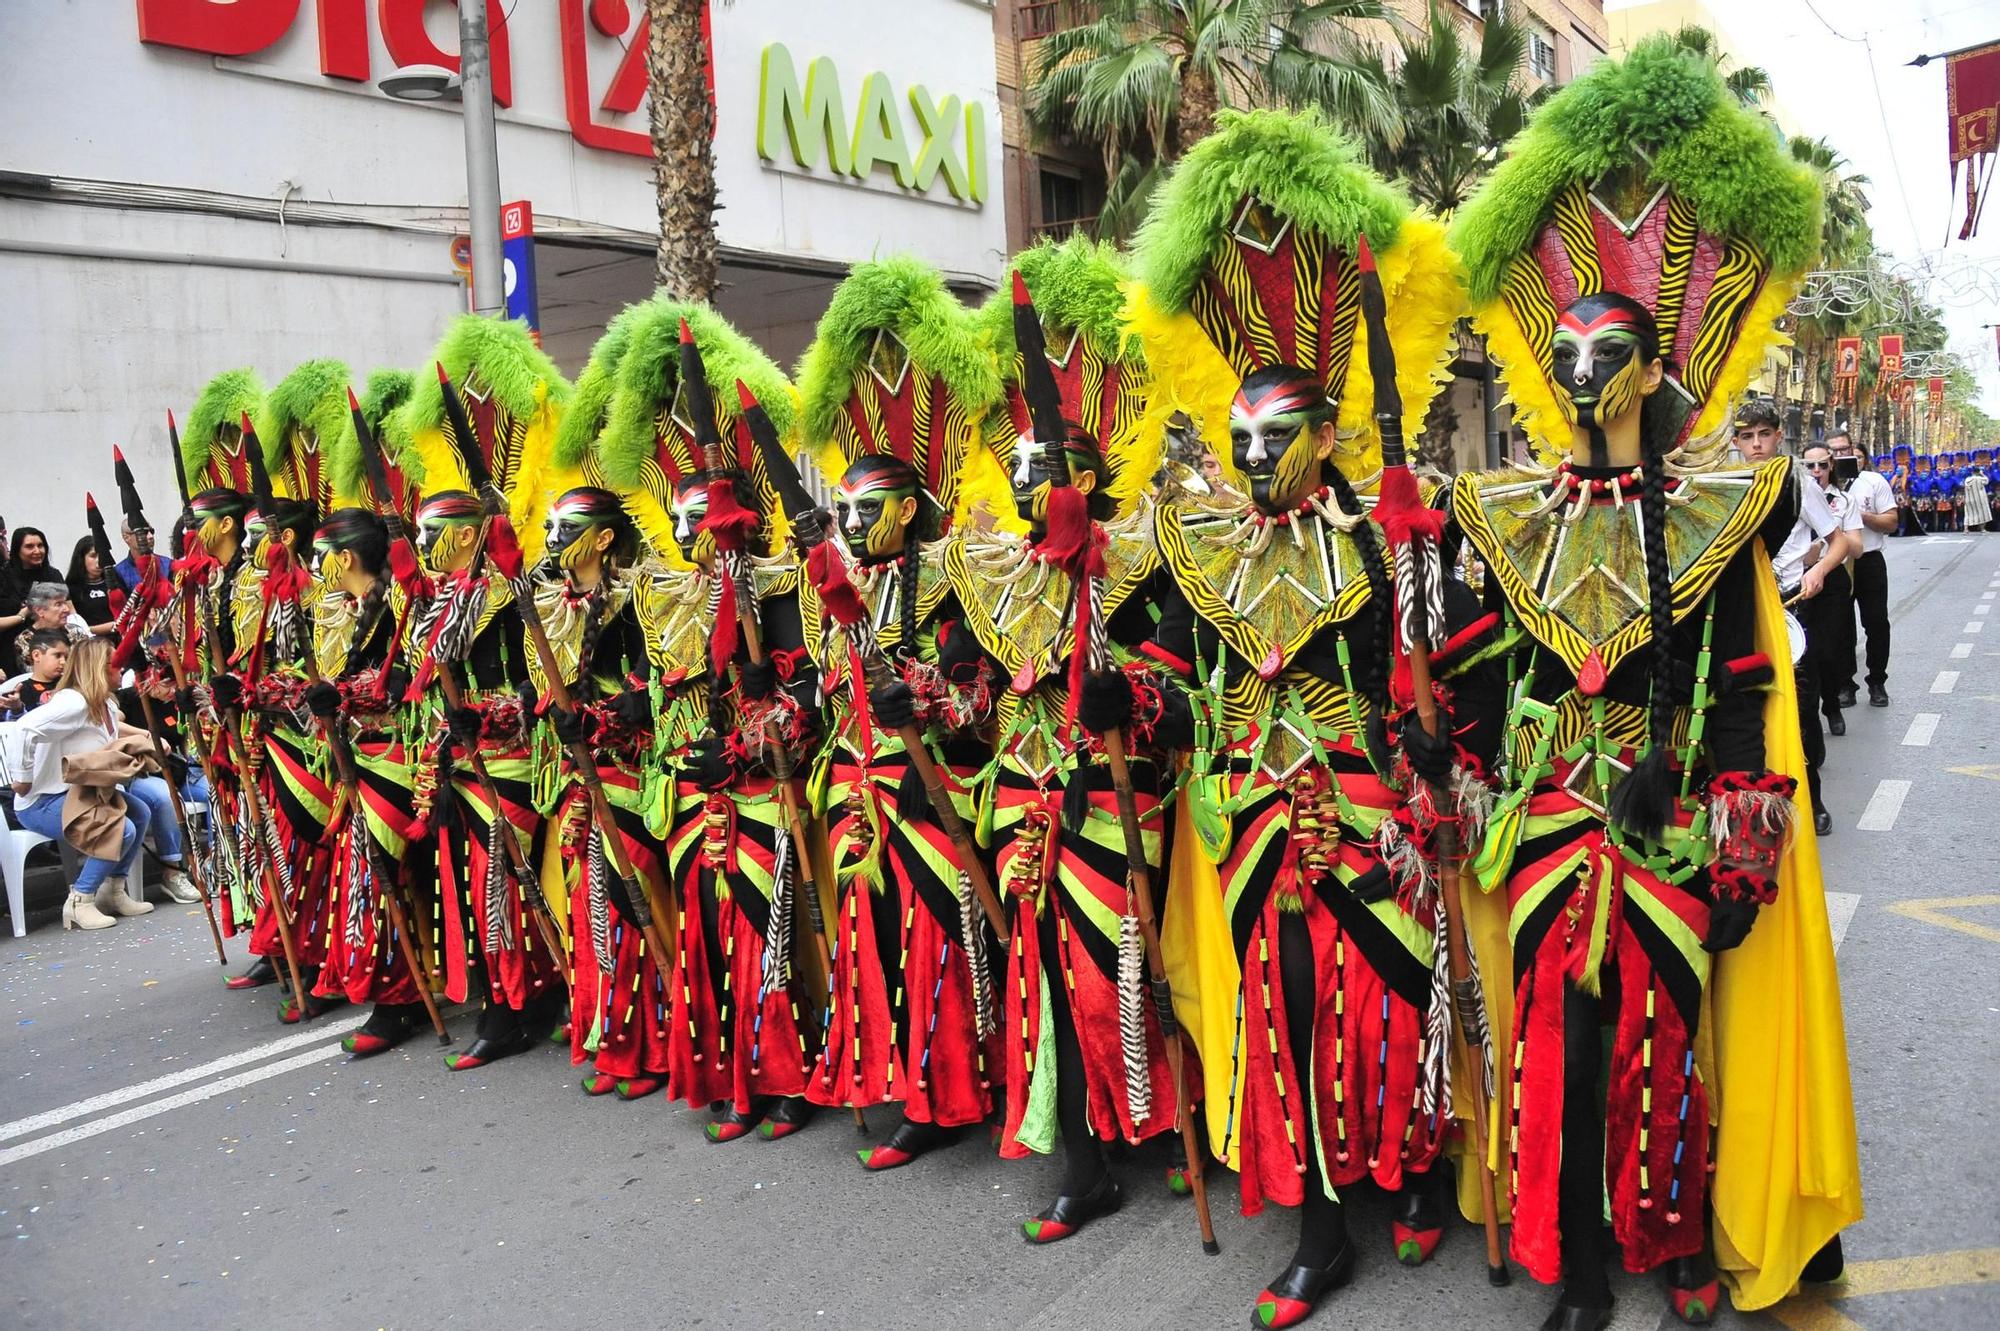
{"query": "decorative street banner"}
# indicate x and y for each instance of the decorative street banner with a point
(1846, 368)
(1892, 356)
(1972, 112)
(1936, 387)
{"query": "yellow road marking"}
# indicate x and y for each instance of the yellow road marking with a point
(1894, 1275)
(1989, 771)
(1932, 910)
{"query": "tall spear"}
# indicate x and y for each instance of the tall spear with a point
(1413, 530)
(343, 758)
(142, 605)
(1072, 540)
(376, 474)
(506, 553)
(809, 533)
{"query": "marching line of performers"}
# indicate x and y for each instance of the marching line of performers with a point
(1943, 492)
(1016, 771)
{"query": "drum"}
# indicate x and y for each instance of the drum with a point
(1797, 633)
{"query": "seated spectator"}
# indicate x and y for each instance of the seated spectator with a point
(48, 654)
(95, 596)
(139, 540)
(76, 721)
(48, 607)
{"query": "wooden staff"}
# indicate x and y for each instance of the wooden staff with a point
(559, 695)
(523, 874)
(1413, 528)
(1045, 409)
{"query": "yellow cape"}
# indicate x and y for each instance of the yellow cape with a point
(1773, 1049)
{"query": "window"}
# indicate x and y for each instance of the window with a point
(1068, 202)
(1039, 18)
(1542, 54)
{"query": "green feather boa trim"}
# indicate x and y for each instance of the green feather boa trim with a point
(1295, 162)
(590, 403)
(1724, 159)
(386, 390)
(906, 296)
(313, 396)
(509, 362)
(222, 402)
(649, 375)
(1077, 284)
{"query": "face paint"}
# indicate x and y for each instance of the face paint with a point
(870, 517)
(688, 510)
(1271, 442)
(440, 529)
(1597, 367)
(330, 569)
(572, 528)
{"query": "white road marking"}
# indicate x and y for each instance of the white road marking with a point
(1946, 681)
(22, 1127)
(1974, 626)
(1922, 726)
(1840, 908)
(1947, 540)
(1883, 806)
(1961, 650)
(1987, 596)
(125, 1117)
(1982, 609)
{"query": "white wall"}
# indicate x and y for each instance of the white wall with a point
(115, 315)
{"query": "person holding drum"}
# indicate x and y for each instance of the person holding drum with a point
(1816, 545)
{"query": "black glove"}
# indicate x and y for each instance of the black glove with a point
(464, 723)
(634, 707)
(395, 683)
(1430, 756)
(531, 701)
(1729, 922)
(227, 691)
(758, 679)
(322, 699)
(1106, 703)
(567, 724)
(184, 701)
(958, 652)
(176, 769)
(710, 766)
(893, 704)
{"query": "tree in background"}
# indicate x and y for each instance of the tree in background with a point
(1144, 80)
(688, 261)
(1750, 84)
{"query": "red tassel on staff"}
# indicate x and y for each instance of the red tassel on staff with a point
(722, 648)
(1072, 541)
(503, 547)
(1402, 512)
(836, 593)
(728, 521)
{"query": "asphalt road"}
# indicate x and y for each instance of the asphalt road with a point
(171, 1157)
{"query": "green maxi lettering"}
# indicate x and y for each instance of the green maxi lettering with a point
(814, 116)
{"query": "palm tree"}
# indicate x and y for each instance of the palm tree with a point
(1846, 242)
(1144, 80)
(1749, 84)
(1458, 105)
(688, 262)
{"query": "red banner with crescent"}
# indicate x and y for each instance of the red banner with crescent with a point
(1846, 367)
(1972, 110)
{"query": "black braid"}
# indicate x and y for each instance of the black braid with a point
(593, 628)
(366, 620)
(912, 567)
(1382, 600)
(1642, 801)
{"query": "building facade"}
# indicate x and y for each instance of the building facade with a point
(192, 185)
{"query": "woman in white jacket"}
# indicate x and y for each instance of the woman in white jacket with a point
(79, 717)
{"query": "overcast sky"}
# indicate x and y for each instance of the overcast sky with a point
(1826, 90)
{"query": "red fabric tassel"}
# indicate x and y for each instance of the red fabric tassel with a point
(727, 521)
(403, 566)
(836, 593)
(1401, 510)
(503, 547)
(197, 563)
(722, 647)
(1071, 541)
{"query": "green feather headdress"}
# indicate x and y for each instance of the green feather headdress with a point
(304, 414)
(386, 390)
(897, 366)
(590, 401)
(1645, 176)
(1248, 260)
(210, 440)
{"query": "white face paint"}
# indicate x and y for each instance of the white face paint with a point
(689, 508)
(1026, 451)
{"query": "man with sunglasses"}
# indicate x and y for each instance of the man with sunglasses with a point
(1874, 502)
(1829, 617)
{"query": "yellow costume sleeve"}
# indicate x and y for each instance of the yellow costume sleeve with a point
(1788, 1172)
(1202, 968)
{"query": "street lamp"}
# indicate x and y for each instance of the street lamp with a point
(473, 86)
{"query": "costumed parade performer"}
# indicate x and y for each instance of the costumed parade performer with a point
(892, 391)
(1326, 1049)
(1057, 594)
(471, 444)
(1627, 263)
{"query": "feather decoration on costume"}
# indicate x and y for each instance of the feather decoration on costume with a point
(360, 880)
(596, 872)
(499, 931)
(1132, 1017)
(1434, 1073)
(973, 940)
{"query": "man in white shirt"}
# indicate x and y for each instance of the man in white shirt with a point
(1830, 617)
(1870, 494)
(1814, 547)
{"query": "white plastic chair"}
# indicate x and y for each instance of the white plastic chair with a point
(14, 847)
